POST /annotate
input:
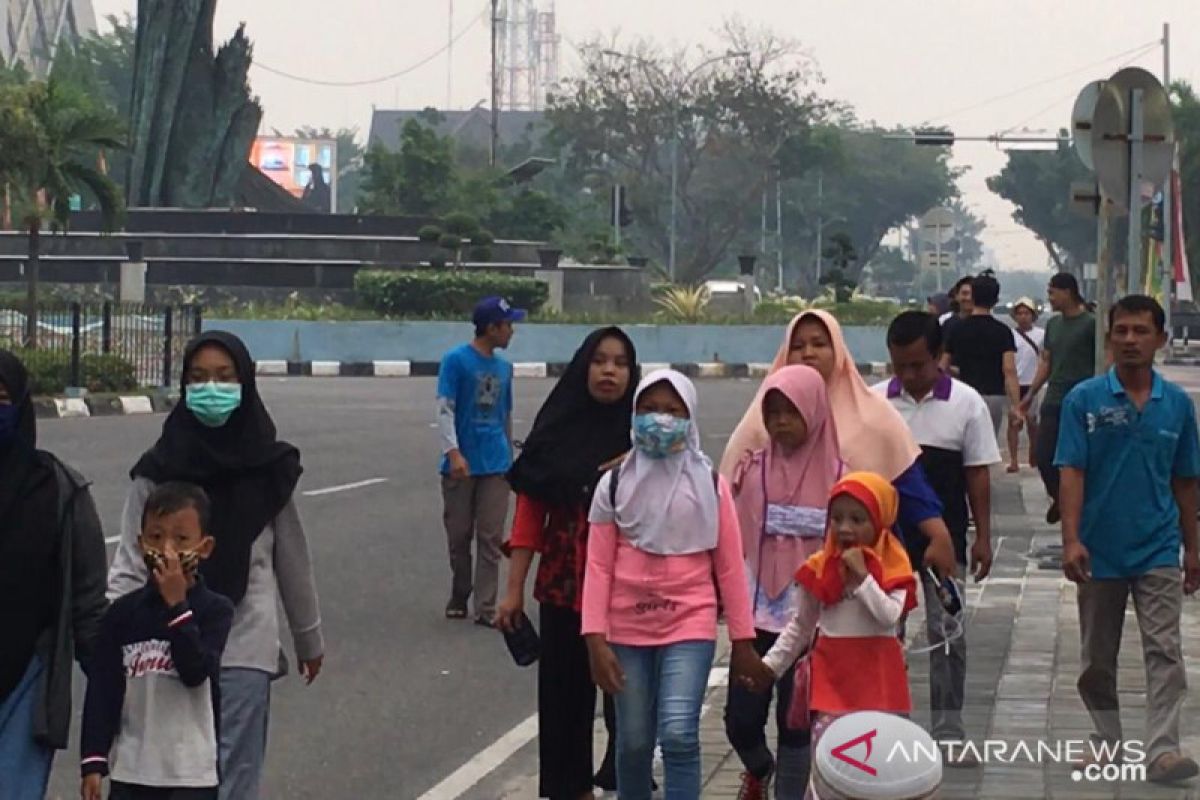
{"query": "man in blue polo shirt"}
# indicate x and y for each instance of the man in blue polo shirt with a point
(1130, 459)
(475, 403)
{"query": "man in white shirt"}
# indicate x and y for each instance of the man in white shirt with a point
(953, 427)
(1030, 340)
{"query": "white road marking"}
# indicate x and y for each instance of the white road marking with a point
(486, 761)
(112, 540)
(345, 487)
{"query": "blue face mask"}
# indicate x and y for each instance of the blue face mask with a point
(213, 403)
(660, 435)
(9, 415)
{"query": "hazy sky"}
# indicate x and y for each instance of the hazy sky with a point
(896, 61)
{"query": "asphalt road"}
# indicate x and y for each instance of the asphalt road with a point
(406, 697)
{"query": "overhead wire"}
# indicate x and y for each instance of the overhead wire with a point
(1135, 52)
(382, 78)
(1059, 101)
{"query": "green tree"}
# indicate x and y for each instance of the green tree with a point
(102, 63)
(1038, 183)
(1186, 108)
(893, 274)
(731, 121)
(880, 184)
(843, 277)
(47, 133)
(966, 244)
(419, 179)
(530, 214)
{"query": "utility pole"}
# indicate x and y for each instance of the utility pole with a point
(1167, 279)
(495, 88)
(779, 226)
(762, 236)
(820, 217)
(449, 55)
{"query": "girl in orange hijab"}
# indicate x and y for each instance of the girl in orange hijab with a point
(856, 589)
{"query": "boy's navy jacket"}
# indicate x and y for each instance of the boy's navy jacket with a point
(150, 715)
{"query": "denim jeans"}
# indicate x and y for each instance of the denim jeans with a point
(664, 689)
(24, 764)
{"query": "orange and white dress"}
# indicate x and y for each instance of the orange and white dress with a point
(857, 661)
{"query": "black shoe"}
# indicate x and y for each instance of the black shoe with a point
(605, 778)
(485, 622)
(1052, 513)
(455, 611)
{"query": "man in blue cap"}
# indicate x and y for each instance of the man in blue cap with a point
(475, 421)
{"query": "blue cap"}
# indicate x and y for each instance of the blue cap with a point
(491, 310)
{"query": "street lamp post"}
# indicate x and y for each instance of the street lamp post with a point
(677, 90)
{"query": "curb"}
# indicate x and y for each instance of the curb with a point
(521, 369)
(102, 405)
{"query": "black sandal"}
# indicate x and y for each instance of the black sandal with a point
(455, 612)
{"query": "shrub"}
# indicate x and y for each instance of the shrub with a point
(460, 224)
(429, 233)
(428, 292)
(685, 303)
(50, 372)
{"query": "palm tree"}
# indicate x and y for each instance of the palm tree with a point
(60, 132)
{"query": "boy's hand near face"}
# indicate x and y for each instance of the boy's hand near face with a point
(171, 581)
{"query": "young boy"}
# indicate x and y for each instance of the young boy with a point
(149, 718)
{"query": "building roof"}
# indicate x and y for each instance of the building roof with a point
(471, 126)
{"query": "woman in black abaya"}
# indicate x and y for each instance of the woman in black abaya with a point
(583, 426)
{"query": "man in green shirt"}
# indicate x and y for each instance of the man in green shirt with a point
(1068, 357)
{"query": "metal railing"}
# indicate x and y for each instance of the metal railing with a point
(149, 339)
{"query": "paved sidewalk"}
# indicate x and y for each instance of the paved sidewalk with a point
(1022, 665)
(1023, 661)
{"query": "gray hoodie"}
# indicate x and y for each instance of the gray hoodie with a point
(280, 566)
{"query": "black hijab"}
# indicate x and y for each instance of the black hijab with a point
(17, 459)
(248, 473)
(574, 434)
(29, 535)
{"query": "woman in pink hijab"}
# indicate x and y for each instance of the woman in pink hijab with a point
(872, 437)
(781, 492)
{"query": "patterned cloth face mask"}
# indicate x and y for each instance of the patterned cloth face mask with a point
(660, 435)
(189, 560)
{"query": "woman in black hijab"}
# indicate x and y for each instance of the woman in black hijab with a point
(581, 428)
(221, 438)
(52, 565)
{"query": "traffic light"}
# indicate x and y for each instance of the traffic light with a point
(934, 137)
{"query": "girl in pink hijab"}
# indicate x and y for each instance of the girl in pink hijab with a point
(781, 492)
(872, 436)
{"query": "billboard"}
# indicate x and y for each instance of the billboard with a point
(288, 160)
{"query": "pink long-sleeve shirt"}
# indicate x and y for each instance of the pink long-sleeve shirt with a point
(646, 600)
